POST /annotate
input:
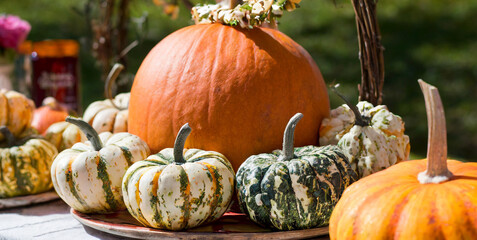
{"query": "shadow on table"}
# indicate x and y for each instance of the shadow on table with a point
(40, 209)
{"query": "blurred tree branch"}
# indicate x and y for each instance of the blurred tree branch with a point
(370, 51)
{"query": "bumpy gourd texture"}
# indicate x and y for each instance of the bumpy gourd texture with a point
(167, 195)
(16, 112)
(64, 135)
(394, 204)
(295, 194)
(370, 148)
(90, 181)
(104, 117)
(25, 169)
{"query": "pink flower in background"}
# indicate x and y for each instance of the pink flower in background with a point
(13, 31)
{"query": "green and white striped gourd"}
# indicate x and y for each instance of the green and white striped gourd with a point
(24, 164)
(372, 137)
(88, 176)
(179, 188)
(296, 188)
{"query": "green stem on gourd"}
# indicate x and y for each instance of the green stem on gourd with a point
(360, 120)
(289, 137)
(180, 142)
(110, 80)
(437, 170)
(11, 140)
(89, 131)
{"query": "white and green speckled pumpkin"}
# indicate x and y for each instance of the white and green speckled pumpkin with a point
(371, 137)
(110, 115)
(64, 135)
(88, 176)
(24, 164)
(179, 188)
(296, 188)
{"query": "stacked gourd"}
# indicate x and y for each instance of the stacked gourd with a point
(25, 158)
(181, 188)
(237, 109)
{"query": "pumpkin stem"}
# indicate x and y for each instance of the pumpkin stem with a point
(110, 80)
(89, 131)
(437, 170)
(11, 140)
(360, 120)
(180, 142)
(289, 137)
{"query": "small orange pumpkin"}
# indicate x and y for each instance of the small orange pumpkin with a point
(239, 84)
(50, 112)
(410, 201)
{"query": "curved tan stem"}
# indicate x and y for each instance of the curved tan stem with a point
(112, 76)
(437, 170)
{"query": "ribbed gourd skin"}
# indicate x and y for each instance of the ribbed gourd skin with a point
(64, 135)
(393, 204)
(104, 117)
(162, 194)
(16, 112)
(89, 181)
(25, 169)
(296, 194)
(236, 87)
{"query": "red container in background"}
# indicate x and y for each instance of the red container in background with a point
(55, 72)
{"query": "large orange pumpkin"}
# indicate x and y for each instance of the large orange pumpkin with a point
(236, 87)
(434, 198)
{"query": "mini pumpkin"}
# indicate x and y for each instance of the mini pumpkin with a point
(433, 198)
(16, 112)
(179, 188)
(371, 137)
(64, 135)
(295, 188)
(24, 164)
(88, 176)
(109, 115)
(50, 112)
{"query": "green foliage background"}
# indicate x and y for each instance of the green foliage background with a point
(428, 39)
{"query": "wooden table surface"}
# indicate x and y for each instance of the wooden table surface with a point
(51, 220)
